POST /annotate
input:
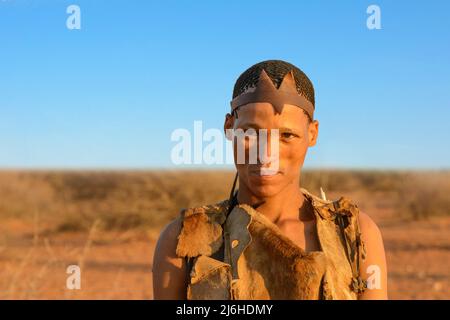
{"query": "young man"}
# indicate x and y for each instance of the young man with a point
(272, 239)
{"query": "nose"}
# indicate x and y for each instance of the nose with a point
(266, 151)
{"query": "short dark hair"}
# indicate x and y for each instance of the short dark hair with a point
(276, 70)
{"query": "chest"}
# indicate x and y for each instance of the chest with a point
(303, 234)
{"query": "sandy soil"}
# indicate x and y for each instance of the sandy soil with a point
(34, 253)
(118, 265)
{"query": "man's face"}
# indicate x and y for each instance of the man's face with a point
(295, 135)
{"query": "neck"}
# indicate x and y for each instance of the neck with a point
(290, 203)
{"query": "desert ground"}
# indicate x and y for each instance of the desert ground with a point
(107, 222)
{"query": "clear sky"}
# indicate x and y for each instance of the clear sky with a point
(110, 94)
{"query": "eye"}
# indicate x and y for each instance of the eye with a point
(288, 135)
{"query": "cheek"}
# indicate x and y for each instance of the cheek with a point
(245, 149)
(293, 155)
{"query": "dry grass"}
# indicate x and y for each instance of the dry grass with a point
(107, 222)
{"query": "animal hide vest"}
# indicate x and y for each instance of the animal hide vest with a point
(246, 256)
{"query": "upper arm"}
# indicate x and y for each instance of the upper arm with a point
(169, 270)
(373, 269)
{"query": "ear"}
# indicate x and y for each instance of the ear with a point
(228, 125)
(313, 132)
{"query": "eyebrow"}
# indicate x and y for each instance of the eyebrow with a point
(252, 125)
(255, 126)
(284, 129)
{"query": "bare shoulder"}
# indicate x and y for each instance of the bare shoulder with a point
(371, 236)
(169, 270)
(167, 241)
(169, 234)
(368, 227)
(373, 268)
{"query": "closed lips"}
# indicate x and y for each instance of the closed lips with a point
(264, 172)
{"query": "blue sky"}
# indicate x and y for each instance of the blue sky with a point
(110, 95)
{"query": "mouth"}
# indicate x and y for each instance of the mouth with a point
(265, 173)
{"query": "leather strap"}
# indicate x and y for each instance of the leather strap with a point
(265, 91)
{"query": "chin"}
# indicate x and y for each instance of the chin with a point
(263, 189)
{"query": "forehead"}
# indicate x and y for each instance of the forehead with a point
(263, 115)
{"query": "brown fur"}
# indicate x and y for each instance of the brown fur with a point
(200, 234)
(273, 267)
(209, 271)
(266, 264)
